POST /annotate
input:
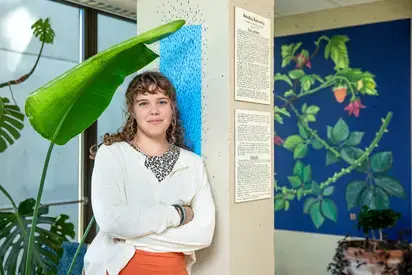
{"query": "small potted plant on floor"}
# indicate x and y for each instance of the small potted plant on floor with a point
(371, 256)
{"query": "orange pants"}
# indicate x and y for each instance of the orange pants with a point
(148, 263)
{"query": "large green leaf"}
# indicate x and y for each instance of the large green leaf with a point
(390, 185)
(11, 122)
(329, 209)
(337, 50)
(70, 103)
(353, 192)
(316, 215)
(340, 131)
(50, 234)
(381, 162)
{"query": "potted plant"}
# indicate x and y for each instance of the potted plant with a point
(372, 256)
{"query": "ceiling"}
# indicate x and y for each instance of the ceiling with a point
(282, 7)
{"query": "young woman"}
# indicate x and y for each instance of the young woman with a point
(151, 196)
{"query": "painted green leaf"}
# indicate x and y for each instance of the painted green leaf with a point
(316, 215)
(306, 82)
(278, 118)
(312, 109)
(296, 47)
(302, 132)
(292, 141)
(300, 151)
(11, 123)
(391, 186)
(66, 106)
(351, 154)
(329, 134)
(307, 174)
(294, 181)
(336, 49)
(279, 204)
(287, 50)
(316, 188)
(286, 60)
(374, 198)
(331, 158)
(354, 139)
(290, 196)
(328, 190)
(353, 191)
(381, 162)
(381, 199)
(308, 203)
(304, 107)
(296, 74)
(316, 145)
(282, 111)
(287, 205)
(329, 209)
(298, 169)
(278, 196)
(282, 77)
(340, 131)
(289, 93)
(318, 78)
(299, 194)
(310, 118)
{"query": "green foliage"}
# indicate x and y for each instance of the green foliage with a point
(11, 123)
(51, 232)
(336, 49)
(43, 30)
(288, 53)
(279, 112)
(371, 219)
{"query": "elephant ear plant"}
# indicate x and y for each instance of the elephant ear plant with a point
(70, 103)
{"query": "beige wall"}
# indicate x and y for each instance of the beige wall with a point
(243, 242)
(299, 253)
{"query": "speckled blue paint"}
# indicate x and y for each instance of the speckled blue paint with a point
(181, 61)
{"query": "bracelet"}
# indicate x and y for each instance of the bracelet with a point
(182, 212)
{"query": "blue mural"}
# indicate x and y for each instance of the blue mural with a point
(343, 124)
(181, 61)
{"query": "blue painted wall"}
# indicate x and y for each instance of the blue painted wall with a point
(384, 50)
(181, 61)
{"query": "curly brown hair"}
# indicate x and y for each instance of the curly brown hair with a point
(147, 82)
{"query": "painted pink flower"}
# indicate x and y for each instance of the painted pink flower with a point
(278, 140)
(354, 107)
(302, 60)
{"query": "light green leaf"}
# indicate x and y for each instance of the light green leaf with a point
(299, 194)
(306, 82)
(289, 93)
(312, 109)
(381, 162)
(331, 158)
(340, 131)
(304, 107)
(329, 135)
(316, 215)
(317, 145)
(307, 174)
(354, 139)
(286, 60)
(292, 141)
(294, 181)
(328, 190)
(351, 154)
(70, 103)
(300, 151)
(375, 198)
(290, 196)
(11, 123)
(286, 50)
(308, 203)
(296, 74)
(298, 169)
(302, 132)
(296, 47)
(353, 191)
(282, 77)
(282, 111)
(278, 118)
(310, 118)
(318, 78)
(287, 205)
(329, 209)
(279, 204)
(316, 188)
(391, 186)
(336, 49)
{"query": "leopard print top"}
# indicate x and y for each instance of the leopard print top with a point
(161, 166)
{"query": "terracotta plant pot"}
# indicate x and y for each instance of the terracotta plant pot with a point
(372, 262)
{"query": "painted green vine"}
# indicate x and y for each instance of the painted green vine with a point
(375, 187)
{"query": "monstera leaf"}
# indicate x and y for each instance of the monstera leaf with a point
(50, 234)
(11, 122)
(43, 30)
(70, 103)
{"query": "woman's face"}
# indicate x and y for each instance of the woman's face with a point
(153, 114)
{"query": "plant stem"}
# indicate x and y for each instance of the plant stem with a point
(36, 210)
(320, 87)
(367, 152)
(4, 191)
(89, 226)
(380, 235)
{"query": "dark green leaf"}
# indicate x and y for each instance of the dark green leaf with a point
(390, 185)
(381, 198)
(308, 203)
(353, 191)
(336, 49)
(351, 154)
(328, 191)
(299, 194)
(282, 77)
(374, 197)
(316, 188)
(292, 141)
(296, 74)
(381, 162)
(316, 215)
(43, 30)
(340, 131)
(331, 158)
(329, 209)
(294, 181)
(279, 204)
(307, 174)
(298, 169)
(49, 236)
(329, 135)
(354, 139)
(57, 110)
(11, 123)
(300, 151)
